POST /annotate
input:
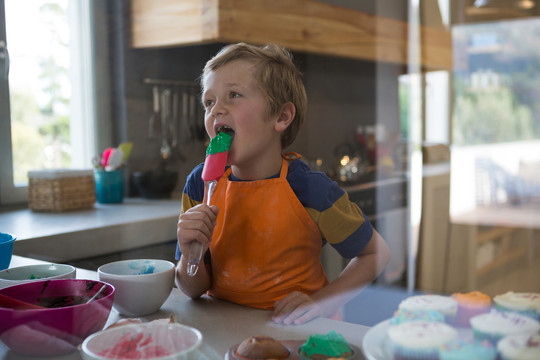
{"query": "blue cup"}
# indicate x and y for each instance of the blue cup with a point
(109, 186)
(6, 249)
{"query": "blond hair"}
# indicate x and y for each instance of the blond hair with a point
(277, 76)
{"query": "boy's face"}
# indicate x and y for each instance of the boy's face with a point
(233, 100)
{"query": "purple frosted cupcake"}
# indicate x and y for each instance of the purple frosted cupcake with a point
(420, 340)
(495, 325)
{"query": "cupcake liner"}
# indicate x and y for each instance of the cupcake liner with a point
(404, 353)
(492, 338)
(529, 313)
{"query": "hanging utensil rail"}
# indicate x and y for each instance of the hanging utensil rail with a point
(176, 104)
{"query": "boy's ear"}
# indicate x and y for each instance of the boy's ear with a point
(286, 116)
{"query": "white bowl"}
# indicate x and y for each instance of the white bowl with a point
(28, 273)
(156, 341)
(141, 285)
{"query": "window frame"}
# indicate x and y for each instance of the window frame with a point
(93, 131)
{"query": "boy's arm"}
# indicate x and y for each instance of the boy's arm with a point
(192, 286)
(298, 308)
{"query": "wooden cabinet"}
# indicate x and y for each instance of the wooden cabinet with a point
(480, 255)
(301, 25)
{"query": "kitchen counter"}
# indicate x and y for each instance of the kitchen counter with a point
(103, 229)
(222, 324)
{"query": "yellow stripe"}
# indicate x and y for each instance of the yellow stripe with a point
(188, 203)
(339, 221)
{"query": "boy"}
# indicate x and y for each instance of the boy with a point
(270, 213)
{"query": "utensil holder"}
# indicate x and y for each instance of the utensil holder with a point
(109, 186)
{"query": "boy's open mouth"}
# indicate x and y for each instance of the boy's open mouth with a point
(226, 129)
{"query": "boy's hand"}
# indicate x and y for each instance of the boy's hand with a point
(296, 308)
(196, 224)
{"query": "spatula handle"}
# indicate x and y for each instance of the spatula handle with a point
(195, 249)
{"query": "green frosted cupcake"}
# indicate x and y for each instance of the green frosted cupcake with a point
(324, 346)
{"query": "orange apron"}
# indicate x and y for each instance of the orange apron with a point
(265, 245)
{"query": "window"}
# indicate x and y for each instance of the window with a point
(47, 103)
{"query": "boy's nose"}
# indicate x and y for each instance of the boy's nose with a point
(217, 109)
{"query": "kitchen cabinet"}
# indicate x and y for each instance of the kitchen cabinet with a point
(490, 243)
(301, 25)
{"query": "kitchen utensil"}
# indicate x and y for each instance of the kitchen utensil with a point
(115, 159)
(174, 122)
(214, 166)
(192, 118)
(97, 294)
(165, 103)
(12, 303)
(155, 112)
(126, 150)
(200, 130)
(185, 114)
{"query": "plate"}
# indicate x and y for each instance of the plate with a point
(294, 350)
(376, 344)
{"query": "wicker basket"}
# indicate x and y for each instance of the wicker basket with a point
(61, 190)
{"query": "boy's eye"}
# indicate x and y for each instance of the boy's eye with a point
(234, 95)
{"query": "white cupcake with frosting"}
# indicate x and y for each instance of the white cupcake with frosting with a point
(527, 304)
(420, 339)
(443, 304)
(519, 347)
(495, 325)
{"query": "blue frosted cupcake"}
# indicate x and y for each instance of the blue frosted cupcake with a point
(443, 304)
(468, 349)
(527, 304)
(404, 316)
(519, 347)
(420, 340)
(495, 325)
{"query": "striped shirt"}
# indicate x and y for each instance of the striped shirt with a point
(340, 221)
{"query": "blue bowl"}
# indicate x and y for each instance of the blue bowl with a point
(6, 249)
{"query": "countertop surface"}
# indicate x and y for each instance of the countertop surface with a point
(73, 235)
(222, 324)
